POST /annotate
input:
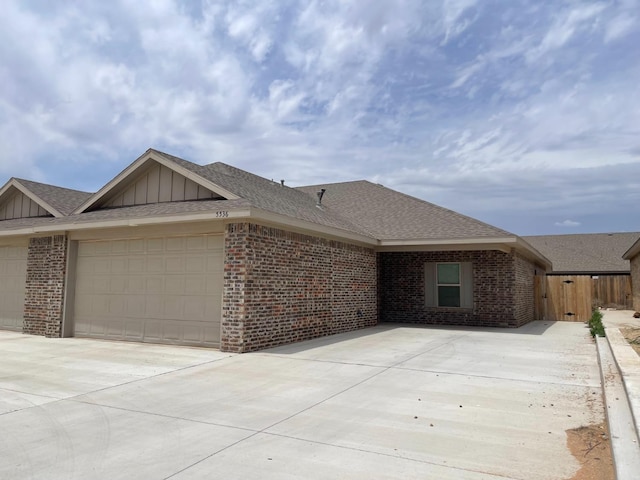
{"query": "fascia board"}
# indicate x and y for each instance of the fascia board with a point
(15, 183)
(447, 241)
(444, 247)
(633, 251)
(149, 155)
(484, 243)
(129, 222)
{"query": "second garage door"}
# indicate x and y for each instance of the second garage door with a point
(158, 290)
(13, 276)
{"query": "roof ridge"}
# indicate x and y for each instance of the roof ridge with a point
(24, 180)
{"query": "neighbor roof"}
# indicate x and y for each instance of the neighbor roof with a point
(586, 252)
(633, 250)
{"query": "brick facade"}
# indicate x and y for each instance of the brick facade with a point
(635, 282)
(46, 272)
(524, 299)
(282, 287)
(499, 279)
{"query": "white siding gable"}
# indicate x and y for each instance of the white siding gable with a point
(158, 184)
(19, 205)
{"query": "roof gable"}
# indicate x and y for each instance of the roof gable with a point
(633, 250)
(16, 204)
(26, 199)
(156, 177)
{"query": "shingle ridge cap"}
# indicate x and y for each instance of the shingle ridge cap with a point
(24, 180)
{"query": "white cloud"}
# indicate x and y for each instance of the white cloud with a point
(459, 102)
(620, 26)
(567, 223)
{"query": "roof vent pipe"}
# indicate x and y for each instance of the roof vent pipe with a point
(320, 194)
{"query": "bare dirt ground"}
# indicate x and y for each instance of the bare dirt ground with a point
(590, 445)
(632, 334)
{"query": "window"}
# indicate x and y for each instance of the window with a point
(449, 284)
(448, 280)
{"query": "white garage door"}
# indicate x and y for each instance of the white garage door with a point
(158, 290)
(13, 277)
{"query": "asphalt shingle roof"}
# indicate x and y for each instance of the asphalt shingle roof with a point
(390, 215)
(62, 199)
(585, 252)
(359, 207)
(268, 195)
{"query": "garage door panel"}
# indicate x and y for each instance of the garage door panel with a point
(155, 285)
(136, 265)
(175, 244)
(195, 308)
(174, 285)
(195, 284)
(134, 329)
(136, 306)
(214, 263)
(136, 285)
(155, 264)
(195, 264)
(198, 244)
(154, 306)
(155, 245)
(214, 284)
(165, 290)
(13, 276)
(153, 330)
(175, 264)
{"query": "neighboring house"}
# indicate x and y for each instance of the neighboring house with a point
(585, 253)
(173, 252)
(633, 256)
(588, 271)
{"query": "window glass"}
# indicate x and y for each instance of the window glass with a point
(448, 296)
(449, 273)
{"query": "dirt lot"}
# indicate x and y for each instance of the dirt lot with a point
(632, 334)
(590, 445)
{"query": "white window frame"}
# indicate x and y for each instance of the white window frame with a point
(465, 279)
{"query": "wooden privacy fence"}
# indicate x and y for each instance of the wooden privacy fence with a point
(572, 297)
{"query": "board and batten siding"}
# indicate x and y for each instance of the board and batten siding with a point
(159, 184)
(21, 206)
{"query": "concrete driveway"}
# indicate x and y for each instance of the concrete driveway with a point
(392, 401)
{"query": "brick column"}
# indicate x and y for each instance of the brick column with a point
(235, 277)
(46, 272)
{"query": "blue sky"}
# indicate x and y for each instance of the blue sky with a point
(524, 114)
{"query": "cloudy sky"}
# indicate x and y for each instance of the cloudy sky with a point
(521, 113)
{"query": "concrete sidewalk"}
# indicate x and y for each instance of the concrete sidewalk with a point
(626, 365)
(388, 402)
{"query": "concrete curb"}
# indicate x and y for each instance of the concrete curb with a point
(628, 363)
(624, 438)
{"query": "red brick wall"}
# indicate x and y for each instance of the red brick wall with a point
(524, 290)
(46, 269)
(497, 280)
(282, 287)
